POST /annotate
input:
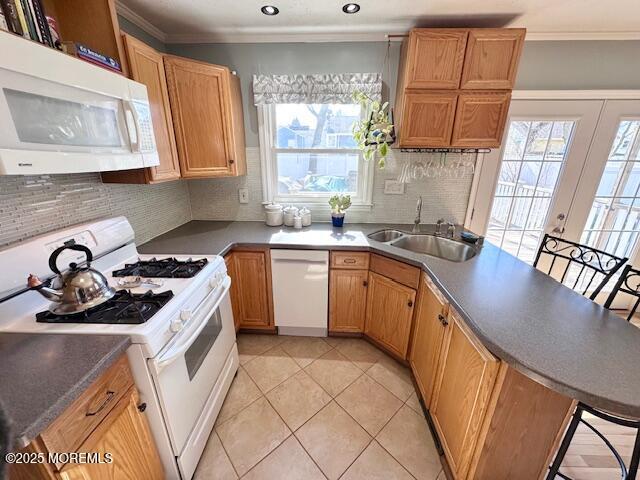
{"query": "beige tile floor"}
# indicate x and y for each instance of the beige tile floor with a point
(313, 408)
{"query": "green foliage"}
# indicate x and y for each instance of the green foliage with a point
(372, 133)
(339, 203)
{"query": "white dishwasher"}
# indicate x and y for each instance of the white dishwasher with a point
(300, 280)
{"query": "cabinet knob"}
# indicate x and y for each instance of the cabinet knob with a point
(142, 407)
(443, 320)
(231, 161)
(410, 303)
(365, 283)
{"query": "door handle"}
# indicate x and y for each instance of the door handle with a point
(559, 228)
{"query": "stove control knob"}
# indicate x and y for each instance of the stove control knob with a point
(176, 325)
(214, 282)
(185, 315)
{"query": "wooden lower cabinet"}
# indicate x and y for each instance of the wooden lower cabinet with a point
(347, 300)
(429, 327)
(106, 419)
(460, 400)
(251, 297)
(126, 437)
(389, 313)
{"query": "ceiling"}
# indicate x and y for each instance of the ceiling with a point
(323, 20)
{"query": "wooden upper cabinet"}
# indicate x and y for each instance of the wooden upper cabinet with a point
(389, 313)
(207, 115)
(492, 57)
(427, 119)
(466, 377)
(435, 58)
(147, 67)
(430, 322)
(480, 119)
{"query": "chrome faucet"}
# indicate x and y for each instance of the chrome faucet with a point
(451, 230)
(439, 226)
(416, 222)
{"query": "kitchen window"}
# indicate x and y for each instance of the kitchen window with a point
(308, 153)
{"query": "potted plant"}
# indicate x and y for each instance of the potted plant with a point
(338, 204)
(375, 132)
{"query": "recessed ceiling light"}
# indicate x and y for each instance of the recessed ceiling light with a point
(351, 8)
(270, 10)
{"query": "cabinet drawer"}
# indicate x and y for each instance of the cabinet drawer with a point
(398, 271)
(350, 260)
(75, 424)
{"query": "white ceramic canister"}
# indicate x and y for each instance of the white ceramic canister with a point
(274, 214)
(305, 213)
(297, 221)
(290, 213)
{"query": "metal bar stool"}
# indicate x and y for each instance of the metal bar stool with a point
(589, 262)
(629, 283)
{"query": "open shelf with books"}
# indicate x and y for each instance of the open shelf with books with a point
(87, 29)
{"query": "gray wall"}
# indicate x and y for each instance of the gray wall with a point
(136, 31)
(561, 65)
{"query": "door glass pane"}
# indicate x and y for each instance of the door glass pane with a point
(532, 161)
(197, 352)
(614, 219)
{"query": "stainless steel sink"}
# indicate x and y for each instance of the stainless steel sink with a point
(386, 235)
(435, 246)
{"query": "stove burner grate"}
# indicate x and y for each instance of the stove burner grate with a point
(124, 308)
(162, 268)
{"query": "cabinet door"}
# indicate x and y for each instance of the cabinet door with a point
(435, 58)
(253, 279)
(234, 293)
(480, 119)
(492, 58)
(466, 377)
(427, 119)
(428, 333)
(347, 300)
(124, 434)
(389, 313)
(200, 101)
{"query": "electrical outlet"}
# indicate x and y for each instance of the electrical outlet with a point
(243, 195)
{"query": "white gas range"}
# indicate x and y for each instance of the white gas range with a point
(183, 356)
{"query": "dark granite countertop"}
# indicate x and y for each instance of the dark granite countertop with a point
(42, 374)
(538, 326)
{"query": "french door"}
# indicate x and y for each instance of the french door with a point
(573, 173)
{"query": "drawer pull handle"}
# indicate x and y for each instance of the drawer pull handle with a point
(110, 395)
(349, 260)
(443, 320)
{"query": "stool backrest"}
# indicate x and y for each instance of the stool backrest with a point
(629, 283)
(580, 267)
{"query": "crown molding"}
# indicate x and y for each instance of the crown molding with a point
(141, 22)
(233, 36)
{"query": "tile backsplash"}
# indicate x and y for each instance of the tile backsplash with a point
(217, 199)
(32, 205)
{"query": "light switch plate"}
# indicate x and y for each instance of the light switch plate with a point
(243, 195)
(393, 187)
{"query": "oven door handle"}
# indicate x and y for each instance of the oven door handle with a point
(179, 348)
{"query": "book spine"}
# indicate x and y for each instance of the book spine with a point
(32, 21)
(23, 20)
(97, 58)
(11, 16)
(43, 25)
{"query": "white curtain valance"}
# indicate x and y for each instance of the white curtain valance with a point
(321, 88)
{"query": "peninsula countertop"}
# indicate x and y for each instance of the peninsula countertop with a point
(42, 374)
(538, 326)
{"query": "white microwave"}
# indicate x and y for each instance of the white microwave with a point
(59, 114)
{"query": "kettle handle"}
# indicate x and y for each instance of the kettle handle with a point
(56, 253)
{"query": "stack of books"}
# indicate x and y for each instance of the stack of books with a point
(27, 18)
